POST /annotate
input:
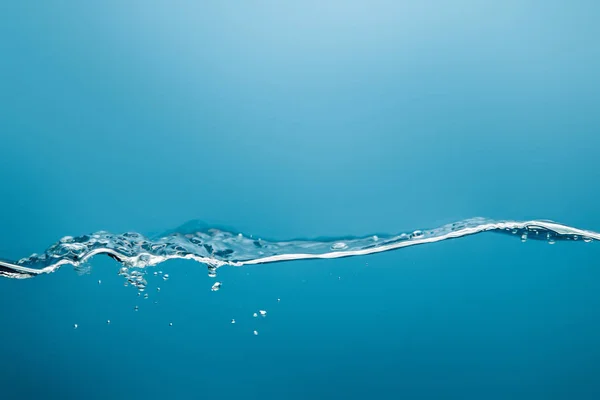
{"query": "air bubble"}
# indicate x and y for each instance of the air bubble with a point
(136, 308)
(255, 315)
(99, 281)
(339, 246)
(108, 322)
(255, 333)
(166, 277)
(146, 296)
(75, 326)
(216, 286)
(417, 235)
(170, 324)
(158, 289)
(263, 313)
(524, 237)
(587, 239)
(233, 321)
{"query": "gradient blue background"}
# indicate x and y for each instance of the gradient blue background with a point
(301, 119)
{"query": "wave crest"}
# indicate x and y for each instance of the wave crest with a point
(216, 247)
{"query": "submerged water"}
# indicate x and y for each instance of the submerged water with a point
(313, 139)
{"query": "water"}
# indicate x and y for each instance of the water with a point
(217, 248)
(345, 139)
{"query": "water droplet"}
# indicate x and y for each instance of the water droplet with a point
(375, 238)
(263, 313)
(233, 321)
(216, 286)
(255, 333)
(75, 326)
(587, 239)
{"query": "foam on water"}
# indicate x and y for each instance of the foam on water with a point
(216, 248)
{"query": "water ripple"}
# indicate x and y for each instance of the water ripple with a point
(216, 248)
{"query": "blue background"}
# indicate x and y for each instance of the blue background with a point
(303, 119)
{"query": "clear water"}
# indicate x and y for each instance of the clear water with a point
(322, 133)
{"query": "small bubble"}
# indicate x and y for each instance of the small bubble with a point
(108, 322)
(255, 315)
(158, 289)
(278, 300)
(146, 296)
(155, 273)
(524, 237)
(75, 326)
(139, 294)
(99, 281)
(136, 308)
(375, 238)
(587, 239)
(216, 286)
(125, 284)
(166, 277)
(233, 321)
(417, 235)
(339, 246)
(263, 313)
(170, 324)
(255, 333)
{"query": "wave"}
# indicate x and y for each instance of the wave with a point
(217, 247)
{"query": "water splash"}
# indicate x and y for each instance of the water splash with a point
(216, 248)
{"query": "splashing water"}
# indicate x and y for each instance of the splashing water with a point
(216, 248)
